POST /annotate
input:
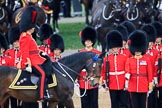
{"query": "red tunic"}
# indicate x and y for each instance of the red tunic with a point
(15, 56)
(140, 71)
(46, 49)
(29, 49)
(126, 52)
(83, 73)
(116, 71)
(156, 68)
(152, 54)
(5, 61)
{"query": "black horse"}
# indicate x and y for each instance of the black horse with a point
(53, 5)
(40, 19)
(88, 4)
(66, 71)
(105, 16)
(5, 18)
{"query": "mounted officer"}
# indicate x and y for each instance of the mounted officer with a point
(31, 57)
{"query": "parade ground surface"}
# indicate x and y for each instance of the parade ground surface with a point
(103, 100)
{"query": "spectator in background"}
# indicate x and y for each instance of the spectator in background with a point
(67, 8)
(77, 8)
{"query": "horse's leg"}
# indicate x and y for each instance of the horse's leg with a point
(56, 26)
(87, 14)
(52, 104)
(69, 103)
(48, 18)
(3, 98)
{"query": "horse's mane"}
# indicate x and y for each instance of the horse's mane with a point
(77, 57)
(5, 70)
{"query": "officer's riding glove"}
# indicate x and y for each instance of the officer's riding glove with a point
(28, 65)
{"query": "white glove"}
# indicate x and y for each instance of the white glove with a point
(155, 80)
(126, 84)
(29, 69)
(39, 3)
(127, 76)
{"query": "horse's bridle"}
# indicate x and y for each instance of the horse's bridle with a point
(93, 63)
(63, 67)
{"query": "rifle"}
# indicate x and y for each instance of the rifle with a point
(159, 69)
(107, 73)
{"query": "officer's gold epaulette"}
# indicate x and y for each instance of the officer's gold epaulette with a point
(24, 34)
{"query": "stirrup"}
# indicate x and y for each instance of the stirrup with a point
(48, 96)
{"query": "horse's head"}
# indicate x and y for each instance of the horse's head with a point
(93, 67)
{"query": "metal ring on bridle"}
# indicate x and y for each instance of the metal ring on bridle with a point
(132, 18)
(3, 13)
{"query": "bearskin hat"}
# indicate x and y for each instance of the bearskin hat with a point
(28, 19)
(158, 27)
(13, 34)
(129, 25)
(123, 30)
(114, 39)
(56, 41)
(150, 31)
(3, 42)
(45, 31)
(137, 42)
(88, 33)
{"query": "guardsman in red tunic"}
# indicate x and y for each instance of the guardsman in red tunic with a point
(56, 46)
(45, 32)
(14, 53)
(158, 70)
(123, 30)
(152, 53)
(88, 39)
(138, 69)
(30, 53)
(158, 41)
(4, 59)
(113, 70)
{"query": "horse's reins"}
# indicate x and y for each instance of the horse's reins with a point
(86, 85)
(85, 90)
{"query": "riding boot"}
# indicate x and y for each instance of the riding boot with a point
(46, 94)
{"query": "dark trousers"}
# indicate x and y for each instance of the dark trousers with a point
(160, 97)
(13, 103)
(77, 7)
(90, 100)
(60, 105)
(67, 8)
(152, 99)
(42, 75)
(29, 105)
(138, 100)
(119, 99)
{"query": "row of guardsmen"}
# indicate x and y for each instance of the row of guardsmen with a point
(131, 68)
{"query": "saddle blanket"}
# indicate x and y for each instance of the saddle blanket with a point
(23, 80)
